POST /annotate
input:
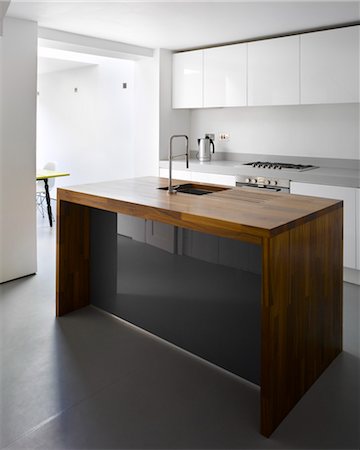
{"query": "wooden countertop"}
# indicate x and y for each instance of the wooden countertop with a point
(232, 212)
(301, 241)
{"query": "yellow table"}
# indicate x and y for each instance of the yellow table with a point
(45, 174)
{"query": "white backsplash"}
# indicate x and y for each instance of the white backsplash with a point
(325, 131)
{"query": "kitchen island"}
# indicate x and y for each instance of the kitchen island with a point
(300, 239)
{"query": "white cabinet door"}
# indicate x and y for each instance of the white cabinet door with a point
(188, 79)
(181, 175)
(330, 66)
(357, 214)
(176, 174)
(273, 72)
(348, 195)
(225, 76)
(200, 177)
(226, 180)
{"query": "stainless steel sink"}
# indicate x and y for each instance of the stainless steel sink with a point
(195, 189)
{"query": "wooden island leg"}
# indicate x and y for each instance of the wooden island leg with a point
(86, 256)
(72, 257)
(301, 330)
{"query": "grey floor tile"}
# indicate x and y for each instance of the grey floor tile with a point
(88, 380)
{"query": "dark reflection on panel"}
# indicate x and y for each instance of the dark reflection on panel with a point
(185, 287)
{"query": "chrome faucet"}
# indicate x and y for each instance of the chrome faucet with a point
(171, 189)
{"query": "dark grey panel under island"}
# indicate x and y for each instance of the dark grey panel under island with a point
(202, 293)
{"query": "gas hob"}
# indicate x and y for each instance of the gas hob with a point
(280, 166)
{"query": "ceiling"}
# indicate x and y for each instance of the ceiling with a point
(183, 25)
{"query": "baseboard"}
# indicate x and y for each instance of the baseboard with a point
(351, 275)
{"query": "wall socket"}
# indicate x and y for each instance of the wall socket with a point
(224, 137)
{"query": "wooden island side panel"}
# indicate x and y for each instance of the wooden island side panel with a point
(72, 257)
(301, 312)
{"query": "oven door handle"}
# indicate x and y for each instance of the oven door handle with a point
(270, 188)
(255, 186)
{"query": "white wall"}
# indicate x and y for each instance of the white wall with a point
(155, 120)
(330, 131)
(2, 210)
(18, 140)
(171, 121)
(3, 8)
(89, 133)
(146, 129)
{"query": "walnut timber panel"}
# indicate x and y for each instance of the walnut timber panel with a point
(237, 213)
(301, 312)
(72, 257)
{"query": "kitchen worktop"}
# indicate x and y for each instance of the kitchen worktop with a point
(297, 297)
(348, 176)
(232, 210)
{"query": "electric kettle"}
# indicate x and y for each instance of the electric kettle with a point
(204, 145)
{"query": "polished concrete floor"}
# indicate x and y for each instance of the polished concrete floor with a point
(91, 381)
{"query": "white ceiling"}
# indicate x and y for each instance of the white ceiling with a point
(183, 25)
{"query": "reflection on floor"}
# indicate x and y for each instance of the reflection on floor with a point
(89, 380)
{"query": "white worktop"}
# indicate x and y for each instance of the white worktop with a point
(342, 176)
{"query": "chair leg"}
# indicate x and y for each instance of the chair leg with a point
(48, 201)
(40, 200)
(52, 213)
(39, 203)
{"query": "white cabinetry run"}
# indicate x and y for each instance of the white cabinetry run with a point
(177, 174)
(330, 66)
(225, 76)
(350, 197)
(226, 180)
(311, 68)
(273, 72)
(187, 85)
(199, 177)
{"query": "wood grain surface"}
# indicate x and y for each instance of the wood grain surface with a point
(301, 312)
(237, 213)
(72, 257)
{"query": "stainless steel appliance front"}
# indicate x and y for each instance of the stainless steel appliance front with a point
(258, 182)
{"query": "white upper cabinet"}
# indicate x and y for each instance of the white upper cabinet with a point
(311, 68)
(188, 79)
(273, 71)
(330, 66)
(225, 76)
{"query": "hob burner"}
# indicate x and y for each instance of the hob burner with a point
(279, 165)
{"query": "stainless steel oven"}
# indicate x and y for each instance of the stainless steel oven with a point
(256, 182)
